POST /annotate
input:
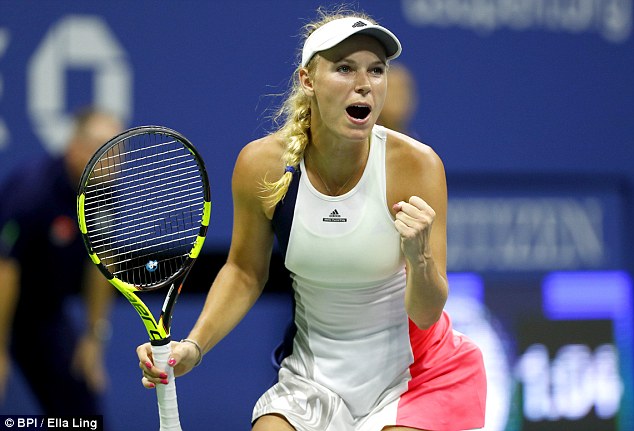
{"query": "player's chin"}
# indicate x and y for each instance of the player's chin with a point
(358, 132)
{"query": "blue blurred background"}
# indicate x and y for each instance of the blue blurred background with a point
(529, 103)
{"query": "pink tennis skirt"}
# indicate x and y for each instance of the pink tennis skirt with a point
(447, 390)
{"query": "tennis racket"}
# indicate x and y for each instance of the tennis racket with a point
(143, 207)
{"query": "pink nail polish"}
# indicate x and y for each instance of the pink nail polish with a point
(172, 361)
(163, 376)
(164, 381)
(152, 385)
(148, 364)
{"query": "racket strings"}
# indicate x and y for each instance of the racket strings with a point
(106, 177)
(144, 206)
(118, 223)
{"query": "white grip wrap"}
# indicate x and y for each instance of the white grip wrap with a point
(167, 403)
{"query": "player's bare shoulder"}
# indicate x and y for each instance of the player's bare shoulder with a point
(413, 169)
(260, 159)
(410, 156)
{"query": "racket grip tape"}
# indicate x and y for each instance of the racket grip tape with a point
(166, 394)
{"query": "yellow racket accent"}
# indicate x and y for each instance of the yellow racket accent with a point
(154, 330)
(198, 243)
(206, 213)
(81, 216)
(94, 258)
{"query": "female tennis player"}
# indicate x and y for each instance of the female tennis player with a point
(360, 212)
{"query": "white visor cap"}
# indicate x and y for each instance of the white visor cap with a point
(336, 31)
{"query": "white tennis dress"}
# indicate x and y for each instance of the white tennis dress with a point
(352, 352)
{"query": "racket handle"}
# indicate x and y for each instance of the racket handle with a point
(166, 394)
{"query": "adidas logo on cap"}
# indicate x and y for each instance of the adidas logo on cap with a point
(359, 24)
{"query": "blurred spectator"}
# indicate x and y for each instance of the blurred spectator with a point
(401, 100)
(43, 262)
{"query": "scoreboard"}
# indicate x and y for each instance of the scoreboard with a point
(558, 348)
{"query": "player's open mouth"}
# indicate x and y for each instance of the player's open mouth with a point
(358, 112)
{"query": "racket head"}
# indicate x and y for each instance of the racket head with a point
(143, 206)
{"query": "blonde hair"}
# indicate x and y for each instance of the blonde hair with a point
(294, 114)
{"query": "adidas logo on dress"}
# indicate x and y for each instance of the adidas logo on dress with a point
(335, 217)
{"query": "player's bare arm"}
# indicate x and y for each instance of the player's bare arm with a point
(241, 280)
(417, 190)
